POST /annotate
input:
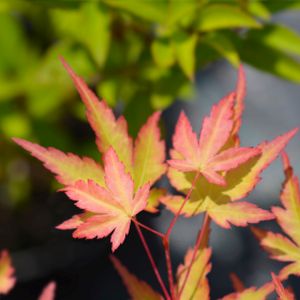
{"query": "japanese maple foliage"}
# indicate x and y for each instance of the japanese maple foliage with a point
(212, 172)
(230, 172)
(111, 197)
(285, 248)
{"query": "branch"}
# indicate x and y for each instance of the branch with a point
(153, 264)
(187, 197)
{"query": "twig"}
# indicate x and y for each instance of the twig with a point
(153, 264)
(187, 197)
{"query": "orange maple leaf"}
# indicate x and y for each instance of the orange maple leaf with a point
(218, 157)
(112, 196)
(110, 208)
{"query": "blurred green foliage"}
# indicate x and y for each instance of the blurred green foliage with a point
(138, 55)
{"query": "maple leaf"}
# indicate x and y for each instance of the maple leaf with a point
(252, 293)
(108, 205)
(136, 288)
(281, 247)
(48, 292)
(240, 175)
(206, 155)
(7, 278)
(69, 167)
(144, 161)
(197, 286)
(111, 208)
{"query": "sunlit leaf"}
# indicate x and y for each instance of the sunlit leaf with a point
(220, 16)
(162, 52)
(89, 25)
(277, 245)
(184, 47)
(278, 37)
(148, 10)
(197, 286)
(223, 45)
(68, 168)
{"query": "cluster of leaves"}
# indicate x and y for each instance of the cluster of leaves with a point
(212, 173)
(143, 54)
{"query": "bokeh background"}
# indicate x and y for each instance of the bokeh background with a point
(140, 56)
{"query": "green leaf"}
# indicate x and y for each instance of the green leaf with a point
(15, 124)
(220, 16)
(184, 46)
(48, 86)
(258, 9)
(222, 44)
(162, 52)
(15, 51)
(180, 11)
(108, 90)
(277, 6)
(154, 11)
(268, 59)
(161, 101)
(90, 26)
(278, 37)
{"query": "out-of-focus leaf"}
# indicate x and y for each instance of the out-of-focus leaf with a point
(153, 200)
(162, 52)
(276, 6)
(108, 90)
(135, 45)
(184, 46)
(266, 58)
(137, 111)
(258, 9)
(154, 11)
(13, 38)
(51, 87)
(206, 54)
(161, 101)
(220, 16)
(179, 11)
(10, 88)
(223, 45)
(15, 124)
(48, 292)
(7, 278)
(90, 25)
(278, 37)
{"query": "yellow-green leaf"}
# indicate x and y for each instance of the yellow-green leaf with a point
(219, 16)
(162, 52)
(223, 45)
(184, 47)
(197, 286)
